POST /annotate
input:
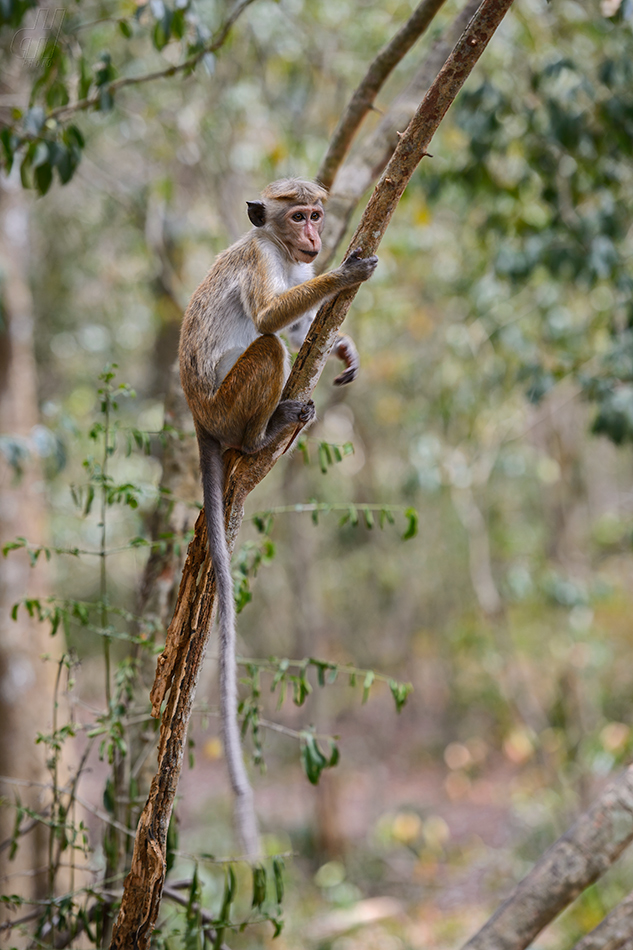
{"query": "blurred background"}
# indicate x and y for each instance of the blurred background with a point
(495, 399)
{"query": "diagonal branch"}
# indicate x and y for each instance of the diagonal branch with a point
(375, 77)
(575, 861)
(179, 666)
(615, 932)
(360, 171)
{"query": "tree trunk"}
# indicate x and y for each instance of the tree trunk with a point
(25, 680)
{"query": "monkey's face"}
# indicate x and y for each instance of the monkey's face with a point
(303, 226)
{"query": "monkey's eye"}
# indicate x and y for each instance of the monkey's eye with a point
(298, 216)
(315, 216)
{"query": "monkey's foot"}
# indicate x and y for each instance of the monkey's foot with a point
(291, 411)
(307, 412)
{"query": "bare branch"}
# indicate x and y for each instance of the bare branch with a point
(411, 148)
(615, 932)
(363, 98)
(574, 862)
(179, 666)
(363, 168)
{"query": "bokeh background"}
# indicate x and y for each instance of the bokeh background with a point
(496, 399)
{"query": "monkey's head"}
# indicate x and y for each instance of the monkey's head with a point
(291, 211)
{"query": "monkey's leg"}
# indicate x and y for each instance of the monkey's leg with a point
(246, 411)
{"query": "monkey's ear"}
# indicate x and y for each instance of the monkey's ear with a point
(257, 213)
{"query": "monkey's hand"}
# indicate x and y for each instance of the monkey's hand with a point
(345, 349)
(356, 269)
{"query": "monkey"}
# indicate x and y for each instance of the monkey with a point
(233, 368)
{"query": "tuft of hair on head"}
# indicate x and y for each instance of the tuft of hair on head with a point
(298, 190)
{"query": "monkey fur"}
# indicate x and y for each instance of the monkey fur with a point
(233, 368)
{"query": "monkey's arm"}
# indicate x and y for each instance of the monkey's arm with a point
(272, 312)
(344, 348)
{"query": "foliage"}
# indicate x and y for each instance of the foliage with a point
(546, 162)
(109, 440)
(501, 301)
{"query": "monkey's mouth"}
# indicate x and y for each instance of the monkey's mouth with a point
(310, 253)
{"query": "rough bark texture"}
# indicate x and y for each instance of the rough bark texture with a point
(615, 932)
(363, 98)
(179, 665)
(574, 862)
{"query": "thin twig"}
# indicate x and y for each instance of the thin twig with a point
(188, 64)
(375, 77)
(361, 170)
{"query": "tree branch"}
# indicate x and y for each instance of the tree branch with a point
(375, 77)
(615, 932)
(574, 862)
(360, 171)
(179, 666)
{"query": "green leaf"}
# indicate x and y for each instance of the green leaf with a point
(125, 29)
(312, 758)
(400, 693)
(278, 872)
(90, 496)
(412, 528)
(386, 515)
(85, 80)
(73, 134)
(9, 143)
(259, 885)
(43, 176)
(24, 171)
(64, 164)
(57, 95)
(178, 24)
(302, 688)
(370, 676)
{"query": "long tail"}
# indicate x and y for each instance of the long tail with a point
(212, 484)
